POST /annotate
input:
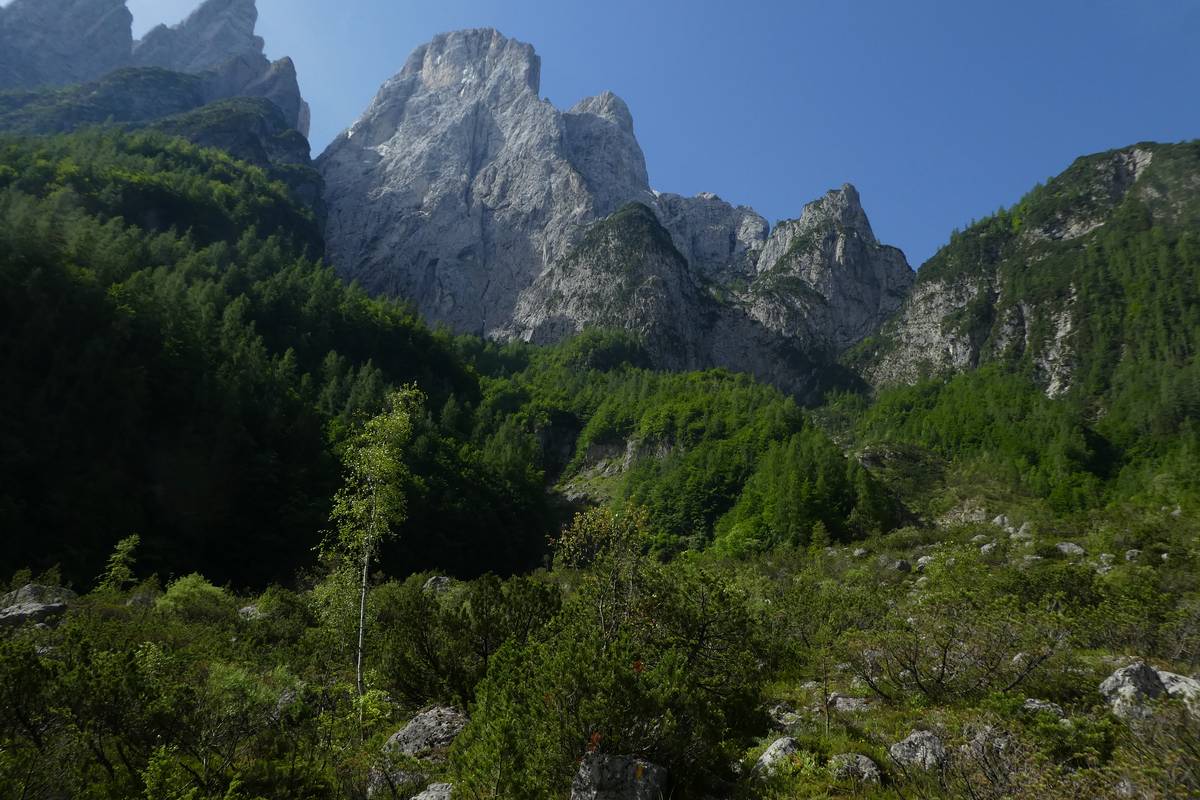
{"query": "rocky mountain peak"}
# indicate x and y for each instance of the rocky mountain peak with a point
(840, 208)
(475, 62)
(837, 215)
(50, 43)
(459, 185)
(59, 42)
(609, 107)
(214, 33)
(496, 213)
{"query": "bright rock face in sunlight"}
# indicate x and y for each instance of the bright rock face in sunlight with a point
(460, 184)
(461, 189)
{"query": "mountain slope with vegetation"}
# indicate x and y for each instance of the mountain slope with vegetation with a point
(963, 587)
(178, 364)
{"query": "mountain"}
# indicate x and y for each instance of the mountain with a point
(459, 184)
(252, 129)
(218, 40)
(46, 44)
(60, 42)
(463, 190)
(626, 274)
(1088, 278)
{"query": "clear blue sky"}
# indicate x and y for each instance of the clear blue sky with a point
(940, 111)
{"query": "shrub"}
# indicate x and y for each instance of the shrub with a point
(194, 599)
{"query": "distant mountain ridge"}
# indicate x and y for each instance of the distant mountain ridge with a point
(1070, 284)
(55, 43)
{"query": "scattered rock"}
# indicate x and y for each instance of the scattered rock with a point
(923, 562)
(250, 612)
(848, 705)
(1031, 559)
(988, 549)
(426, 737)
(986, 744)
(902, 566)
(1025, 532)
(1182, 688)
(1070, 549)
(428, 733)
(921, 749)
(603, 777)
(784, 716)
(979, 538)
(1133, 555)
(436, 791)
(855, 767)
(141, 600)
(34, 603)
(861, 552)
(1034, 706)
(1130, 689)
(1000, 521)
(1127, 788)
(780, 751)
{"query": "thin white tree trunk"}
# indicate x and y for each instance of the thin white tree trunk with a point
(362, 618)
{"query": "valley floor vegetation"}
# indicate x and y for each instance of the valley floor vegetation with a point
(345, 521)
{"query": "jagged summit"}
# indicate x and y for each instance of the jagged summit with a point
(59, 42)
(52, 43)
(460, 184)
(607, 106)
(463, 190)
(214, 33)
(841, 207)
(471, 60)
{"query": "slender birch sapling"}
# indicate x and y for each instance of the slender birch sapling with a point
(371, 505)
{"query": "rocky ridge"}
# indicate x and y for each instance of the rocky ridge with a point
(463, 190)
(54, 43)
(60, 42)
(460, 183)
(627, 274)
(972, 303)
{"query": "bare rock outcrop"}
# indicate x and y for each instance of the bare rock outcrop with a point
(464, 191)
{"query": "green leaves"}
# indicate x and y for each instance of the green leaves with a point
(118, 574)
(371, 505)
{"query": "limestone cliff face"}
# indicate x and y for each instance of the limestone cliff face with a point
(459, 184)
(60, 42)
(627, 274)
(825, 278)
(463, 190)
(974, 303)
(217, 31)
(720, 242)
(602, 147)
(50, 43)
